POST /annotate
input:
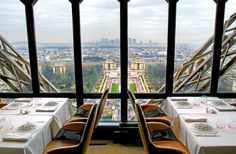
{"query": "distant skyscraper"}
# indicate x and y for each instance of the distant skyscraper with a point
(130, 41)
(134, 41)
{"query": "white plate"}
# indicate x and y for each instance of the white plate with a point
(218, 103)
(51, 103)
(203, 128)
(27, 127)
(183, 104)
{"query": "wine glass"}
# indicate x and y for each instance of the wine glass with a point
(2, 121)
(220, 123)
(232, 123)
(196, 102)
(204, 99)
(38, 102)
(7, 126)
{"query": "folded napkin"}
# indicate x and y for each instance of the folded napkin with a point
(25, 100)
(16, 137)
(179, 99)
(195, 119)
(207, 135)
(46, 109)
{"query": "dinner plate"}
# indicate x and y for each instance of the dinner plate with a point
(218, 103)
(203, 128)
(27, 127)
(183, 104)
(51, 103)
(14, 106)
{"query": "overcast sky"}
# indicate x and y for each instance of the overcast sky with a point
(100, 19)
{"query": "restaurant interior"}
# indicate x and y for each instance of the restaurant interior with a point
(188, 115)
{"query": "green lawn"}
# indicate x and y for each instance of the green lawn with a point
(132, 87)
(114, 88)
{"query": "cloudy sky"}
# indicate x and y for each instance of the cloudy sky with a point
(100, 19)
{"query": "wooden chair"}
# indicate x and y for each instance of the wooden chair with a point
(166, 145)
(86, 108)
(2, 105)
(75, 146)
(73, 128)
(152, 112)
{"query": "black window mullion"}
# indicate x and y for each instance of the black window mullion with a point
(170, 46)
(32, 44)
(77, 50)
(219, 25)
(124, 56)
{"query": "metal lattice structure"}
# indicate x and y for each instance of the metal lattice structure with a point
(15, 71)
(195, 74)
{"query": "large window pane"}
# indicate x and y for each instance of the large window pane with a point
(147, 46)
(101, 51)
(14, 63)
(101, 47)
(54, 43)
(194, 42)
(227, 80)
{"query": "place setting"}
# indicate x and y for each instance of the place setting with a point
(49, 106)
(18, 104)
(183, 105)
(20, 133)
(204, 129)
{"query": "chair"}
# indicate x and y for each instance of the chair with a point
(2, 105)
(84, 109)
(167, 144)
(75, 146)
(152, 112)
(72, 128)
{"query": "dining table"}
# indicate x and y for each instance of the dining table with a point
(27, 125)
(203, 125)
(59, 108)
(24, 134)
(173, 106)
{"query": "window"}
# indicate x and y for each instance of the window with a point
(227, 81)
(13, 43)
(100, 46)
(54, 43)
(147, 46)
(195, 27)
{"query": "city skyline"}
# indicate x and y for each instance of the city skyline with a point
(147, 20)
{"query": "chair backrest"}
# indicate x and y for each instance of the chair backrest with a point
(142, 128)
(88, 130)
(132, 98)
(82, 146)
(101, 106)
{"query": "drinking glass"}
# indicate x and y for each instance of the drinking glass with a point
(38, 102)
(232, 123)
(220, 123)
(7, 126)
(196, 102)
(2, 121)
(204, 99)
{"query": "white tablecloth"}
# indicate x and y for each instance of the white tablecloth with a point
(60, 115)
(223, 143)
(172, 110)
(35, 144)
